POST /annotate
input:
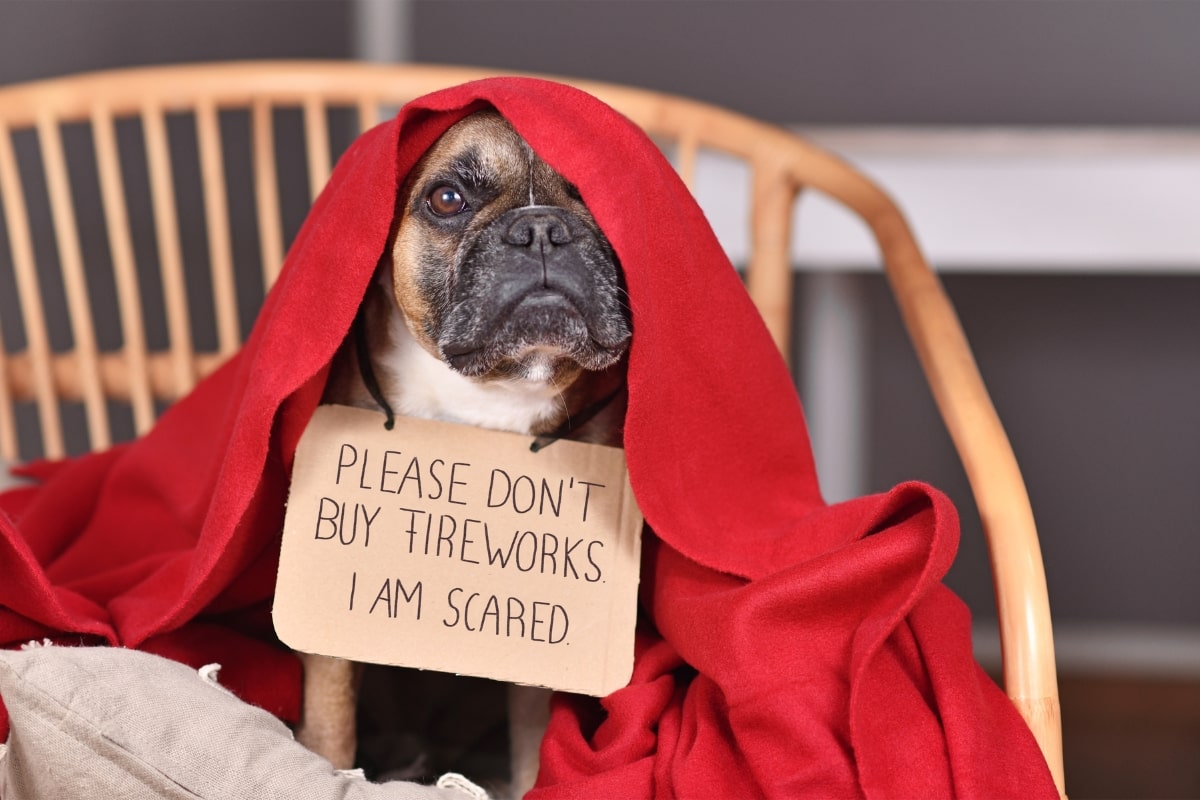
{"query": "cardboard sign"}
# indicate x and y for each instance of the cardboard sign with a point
(457, 549)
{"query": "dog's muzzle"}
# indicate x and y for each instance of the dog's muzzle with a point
(537, 280)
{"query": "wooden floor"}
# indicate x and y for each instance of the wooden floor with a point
(1131, 738)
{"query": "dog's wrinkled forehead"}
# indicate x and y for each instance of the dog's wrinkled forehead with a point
(485, 155)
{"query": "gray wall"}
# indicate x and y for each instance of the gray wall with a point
(856, 61)
(1097, 378)
(40, 38)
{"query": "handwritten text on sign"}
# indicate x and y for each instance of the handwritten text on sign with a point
(457, 549)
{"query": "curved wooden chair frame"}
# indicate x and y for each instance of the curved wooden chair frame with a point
(781, 163)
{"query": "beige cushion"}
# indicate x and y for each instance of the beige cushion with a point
(108, 722)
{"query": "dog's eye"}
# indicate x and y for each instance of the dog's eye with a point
(446, 201)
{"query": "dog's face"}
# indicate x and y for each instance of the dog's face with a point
(498, 266)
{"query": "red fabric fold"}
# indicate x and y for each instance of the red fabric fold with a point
(788, 648)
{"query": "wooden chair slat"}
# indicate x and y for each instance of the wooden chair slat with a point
(8, 416)
(316, 137)
(29, 297)
(266, 191)
(66, 234)
(368, 113)
(170, 253)
(688, 147)
(129, 298)
(769, 273)
(216, 218)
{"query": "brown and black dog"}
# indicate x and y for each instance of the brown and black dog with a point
(499, 304)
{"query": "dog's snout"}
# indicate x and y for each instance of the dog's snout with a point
(538, 228)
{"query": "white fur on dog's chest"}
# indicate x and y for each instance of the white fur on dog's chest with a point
(427, 387)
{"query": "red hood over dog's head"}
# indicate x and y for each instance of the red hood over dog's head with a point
(709, 394)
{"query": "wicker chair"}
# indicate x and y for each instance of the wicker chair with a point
(102, 290)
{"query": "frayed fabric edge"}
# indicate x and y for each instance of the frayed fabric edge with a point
(453, 780)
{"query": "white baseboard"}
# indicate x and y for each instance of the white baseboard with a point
(1110, 650)
(1022, 200)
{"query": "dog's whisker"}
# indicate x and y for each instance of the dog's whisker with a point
(531, 202)
(624, 301)
(566, 409)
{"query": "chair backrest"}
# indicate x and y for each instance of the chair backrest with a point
(216, 111)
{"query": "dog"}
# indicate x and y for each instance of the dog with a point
(500, 304)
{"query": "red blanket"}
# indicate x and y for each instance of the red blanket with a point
(788, 648)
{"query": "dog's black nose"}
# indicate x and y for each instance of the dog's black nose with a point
(538, 227)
